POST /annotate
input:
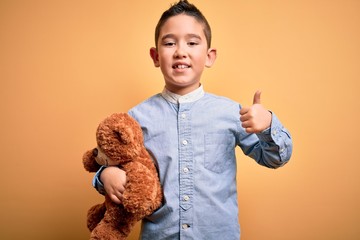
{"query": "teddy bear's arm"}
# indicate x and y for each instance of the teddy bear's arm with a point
(141, 193)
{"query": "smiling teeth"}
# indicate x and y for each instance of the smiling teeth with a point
(181, 66)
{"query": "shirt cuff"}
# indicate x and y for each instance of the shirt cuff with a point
(271, 133)
(278, 135)
(96, 182)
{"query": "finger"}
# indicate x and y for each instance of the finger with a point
(244, 118)
(119, 196)
(118, 193)
(115, 199)
(244, 110)
(257, 97)
(246, 125)
(249, 130)
(121, 189)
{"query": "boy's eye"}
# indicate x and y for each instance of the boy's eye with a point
(169, 44)
(193, 43)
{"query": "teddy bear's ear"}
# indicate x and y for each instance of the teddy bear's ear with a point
(125, 136)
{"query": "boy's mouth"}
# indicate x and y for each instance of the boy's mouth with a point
(180, 66)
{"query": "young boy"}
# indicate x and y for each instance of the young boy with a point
(193, 135)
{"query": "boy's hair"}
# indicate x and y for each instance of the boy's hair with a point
(184, 7)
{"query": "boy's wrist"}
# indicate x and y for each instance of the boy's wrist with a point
(96, 180)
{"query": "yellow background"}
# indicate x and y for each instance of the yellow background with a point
(65, 65)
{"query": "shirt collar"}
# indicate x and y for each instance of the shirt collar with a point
(187, 98)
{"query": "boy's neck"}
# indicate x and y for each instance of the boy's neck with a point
(189, 97)
(182, 90)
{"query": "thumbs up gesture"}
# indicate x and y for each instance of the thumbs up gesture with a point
(255, 118)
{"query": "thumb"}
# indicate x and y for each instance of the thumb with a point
(257, 97)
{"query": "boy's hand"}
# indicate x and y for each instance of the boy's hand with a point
(255, 118)
(114, 180)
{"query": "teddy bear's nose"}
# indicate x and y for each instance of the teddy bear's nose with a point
(95, 152)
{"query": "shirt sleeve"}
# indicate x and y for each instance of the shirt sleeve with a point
(271, 148)
(97, 184)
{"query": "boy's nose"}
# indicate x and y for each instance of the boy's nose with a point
(180, 52)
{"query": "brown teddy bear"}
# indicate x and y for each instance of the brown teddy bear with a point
(120, 143)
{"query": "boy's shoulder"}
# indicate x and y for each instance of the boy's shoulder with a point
(153, 98)
(151, 101)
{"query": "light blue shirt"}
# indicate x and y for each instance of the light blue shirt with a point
(193, 140)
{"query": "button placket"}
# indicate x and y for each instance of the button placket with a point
(185, 166)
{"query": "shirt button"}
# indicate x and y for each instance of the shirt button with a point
(186, 170)
(183, 115)
(184, 142)
(185, 226)
(186, 198)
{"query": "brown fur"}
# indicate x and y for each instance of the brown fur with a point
(119, 138)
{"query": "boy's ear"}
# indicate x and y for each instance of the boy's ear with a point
(154, 56)
(211, 57)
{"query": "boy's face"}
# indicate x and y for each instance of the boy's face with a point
(182, 53)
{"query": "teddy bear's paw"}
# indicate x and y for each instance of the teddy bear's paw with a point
(106, 232)
(140, 207)
(95, 215)
(140, 204)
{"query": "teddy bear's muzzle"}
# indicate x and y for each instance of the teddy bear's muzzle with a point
(100, 157)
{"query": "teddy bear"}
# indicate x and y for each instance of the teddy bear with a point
(120, 143)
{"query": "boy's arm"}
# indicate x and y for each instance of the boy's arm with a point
(97, 184)
(110, 180)
(271, 145)
(271, 148)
